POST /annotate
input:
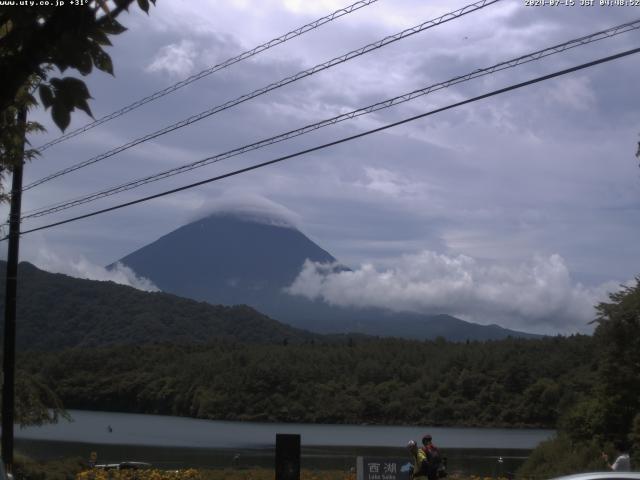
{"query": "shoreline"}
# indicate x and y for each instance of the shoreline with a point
(171, 431)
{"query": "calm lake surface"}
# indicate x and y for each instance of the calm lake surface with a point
(175, 441)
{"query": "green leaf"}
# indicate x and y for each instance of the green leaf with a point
(69, 93)
(35, 127)
(113, 27)
(30, 100)
(82, 104)
(84, 64)
(100, 37)
(144, 5)
(68, 51)
(31, 153)
(5, 28)
(102, 60)
(46, 95)
(61, 115)
(76, 86)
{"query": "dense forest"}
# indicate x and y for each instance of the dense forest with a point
(608, 417)
(513, 382)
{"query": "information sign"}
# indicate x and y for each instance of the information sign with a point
(381, 468)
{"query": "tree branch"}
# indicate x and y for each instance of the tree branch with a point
(114, 13)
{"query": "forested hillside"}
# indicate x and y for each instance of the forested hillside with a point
(511, 382)
(57, 311)
(607, 417)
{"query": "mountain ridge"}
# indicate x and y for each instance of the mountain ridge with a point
(226, 258)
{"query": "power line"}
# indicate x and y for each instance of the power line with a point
(261, 91)
(537, 55)
(204, 73)
(342, 140)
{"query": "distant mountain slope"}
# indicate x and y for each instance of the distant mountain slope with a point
(421, 327)
(235, 259)
(57, 311)
(226, 259)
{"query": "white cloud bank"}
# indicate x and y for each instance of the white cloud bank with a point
(80, 267)
(536, 296)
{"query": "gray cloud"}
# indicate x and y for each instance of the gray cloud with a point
(545, 170)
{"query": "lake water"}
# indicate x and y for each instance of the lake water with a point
(176, 442)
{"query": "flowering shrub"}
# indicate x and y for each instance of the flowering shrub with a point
(131, 474)
(218, 474)
(227, 474)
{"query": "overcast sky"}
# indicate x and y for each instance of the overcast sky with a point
(521, 209)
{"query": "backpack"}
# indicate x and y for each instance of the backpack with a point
(433, 455)
(436, 465)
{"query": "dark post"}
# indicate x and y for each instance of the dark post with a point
(287, 456)
(9, 352)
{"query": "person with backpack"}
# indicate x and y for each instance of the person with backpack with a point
(419, 460)
(436, 465)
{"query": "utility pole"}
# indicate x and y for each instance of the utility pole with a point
(9, 352)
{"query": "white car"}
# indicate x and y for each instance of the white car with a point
(3, 474)
(125, 466)
(602, 476)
